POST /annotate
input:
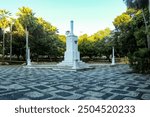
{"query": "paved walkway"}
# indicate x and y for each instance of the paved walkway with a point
(108, 83)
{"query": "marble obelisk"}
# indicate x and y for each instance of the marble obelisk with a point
(72, 55)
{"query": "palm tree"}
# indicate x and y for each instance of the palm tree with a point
(141, 4)
(28, 21)
(4, 23)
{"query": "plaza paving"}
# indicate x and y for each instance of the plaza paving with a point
(101, 83)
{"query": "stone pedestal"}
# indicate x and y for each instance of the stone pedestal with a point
(72, 55)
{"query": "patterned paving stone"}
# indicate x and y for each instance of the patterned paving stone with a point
(34, 94)
(129, 98)
(132, 88)
(119, 91)
(41, 87)
(64, 87)
(144, 90)
(112, 85)
(146, 96)
(64, 94)
(104, 82)
(93, 93)
(13, 95)
(92, 98)
(106, 90)
(97, 88)
(106, 95)
(76, 96)
(23, 99)
(15, 87)
(48, 90)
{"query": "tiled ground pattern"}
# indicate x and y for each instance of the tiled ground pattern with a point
(102, 83)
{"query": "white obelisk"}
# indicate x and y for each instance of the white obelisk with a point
(72, 55)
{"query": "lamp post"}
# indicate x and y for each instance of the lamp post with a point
(113, 56)
(11, 40)
(3, 51)
(28, 61)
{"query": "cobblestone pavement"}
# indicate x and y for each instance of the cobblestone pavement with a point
(107, 83)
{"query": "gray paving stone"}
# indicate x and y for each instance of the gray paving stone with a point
(96, 88)
(64, 87)
(23, 99)
(106, 90)
(75, 96)
(48, 90)
(92, 98)
(111, 97)
(104, 82)
(133, 94)
(93, 93)
(144, 90)
(15, 86)
(129, 98)
(5, 82)
(146, 96)
(34, 94)
(111, 85)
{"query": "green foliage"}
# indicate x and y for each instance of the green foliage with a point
(43, 39)
(131, 35)
(87, 48)
(130, 38)
(4, 15)
(140, 60)
(121, 20)
(26, 18)
(62, 38)
(137, 4)
(142, 5)
(95, 45)
(101, 34)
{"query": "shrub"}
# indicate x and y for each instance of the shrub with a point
(140, 60)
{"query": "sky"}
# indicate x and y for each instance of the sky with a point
(89, 16)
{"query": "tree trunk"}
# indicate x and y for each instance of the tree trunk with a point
(149, 9)
(3, 46)
(146, 29)
(11, 42)
(148, 41)
(149, 24)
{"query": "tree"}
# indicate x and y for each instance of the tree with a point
(141, 4)
(62, 38)
(86, 46)
(93, 46)
(121, 21)
(18, 40)
(130, 39)
(28, 21)
(26, 18)
(42, 33)
(123, 35)
(49, 43)
(4, 23)
(138, 4)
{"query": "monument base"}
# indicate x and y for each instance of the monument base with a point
(72, 66)
(68, 63)
(76, 66)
